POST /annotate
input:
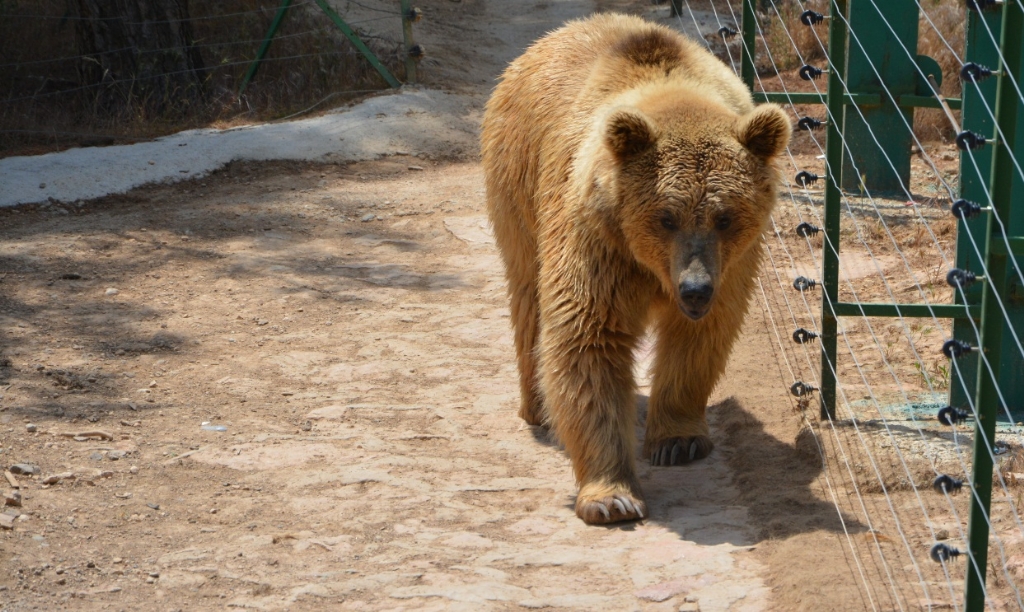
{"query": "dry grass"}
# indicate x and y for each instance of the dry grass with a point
(45, 105)
(940, 36)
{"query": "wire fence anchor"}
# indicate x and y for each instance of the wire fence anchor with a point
(952, 416)
(947, 484)
(954, 349)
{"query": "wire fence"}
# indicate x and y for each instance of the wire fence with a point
(59, 88)
(890, 466)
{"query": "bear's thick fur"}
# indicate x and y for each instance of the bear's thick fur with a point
(629, 180)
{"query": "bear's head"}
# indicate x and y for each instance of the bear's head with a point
(687, 186)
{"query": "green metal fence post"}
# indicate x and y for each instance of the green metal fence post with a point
(358, 44)
(269, 38)
(749, 28)
(974, 187)
(879, 50)
(988, 402)
(837, 38)
(410, 61)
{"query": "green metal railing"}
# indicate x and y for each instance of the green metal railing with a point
(412, 51)
(883, 82)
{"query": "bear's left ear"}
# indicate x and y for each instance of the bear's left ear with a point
(628, 132)
(764, 132)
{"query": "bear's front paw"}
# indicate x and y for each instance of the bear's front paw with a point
(599, 505)
(678, 451)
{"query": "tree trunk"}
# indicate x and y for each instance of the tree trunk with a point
(140, 53)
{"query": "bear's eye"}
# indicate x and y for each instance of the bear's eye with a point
(669, 222)
(723, 222)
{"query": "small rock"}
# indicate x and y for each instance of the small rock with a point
(31, 428)
(368, 217)
(152, 384)
(116, 560)
(690, 606)
(154, 574)
(154, 506)
(6, 521)
(942, 534)
(25, 468)
(307, 426)
(115, 455)
(213, 511)
(420, 168)
(150, 580)
(96, 456)
(42, 185)
(134, 469)
(12, 498)
(55, 478)
(111, 291)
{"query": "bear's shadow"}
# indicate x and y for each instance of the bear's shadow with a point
(753, 487)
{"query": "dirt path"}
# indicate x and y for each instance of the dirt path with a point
(362, 370)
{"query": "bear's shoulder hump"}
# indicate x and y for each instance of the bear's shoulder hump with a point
(649, 47)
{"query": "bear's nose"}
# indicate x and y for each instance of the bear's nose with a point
(695, 296)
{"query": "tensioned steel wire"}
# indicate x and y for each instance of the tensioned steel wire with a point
(889, 290)
(846, 460)
(1014, 509)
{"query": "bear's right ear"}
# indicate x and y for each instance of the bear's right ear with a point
(629, 133)
(765, 132)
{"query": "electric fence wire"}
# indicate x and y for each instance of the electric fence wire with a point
(190, 19)
(1015, 589)
(887, 427)
(177, 72)
(901, 254)
(984, 359)
(864, 509)
(909, 339)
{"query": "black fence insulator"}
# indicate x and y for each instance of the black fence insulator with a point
(962, 279)
(810, 73)
(803, 336)
(970, 141)
(806, 230)
(947, 484)
(809, 18)
(805, 178)
(965, 209)
(980, 5)
(974, 72)
(417, 52)
(800, 389)
(802, 283)
(943, 552)
(727, 32)
(809, 124)
(954, 349)
(950, 416)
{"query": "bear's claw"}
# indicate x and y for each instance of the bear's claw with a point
(610, 510)
(680, 451)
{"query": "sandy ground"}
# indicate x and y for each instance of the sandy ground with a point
(279, 385)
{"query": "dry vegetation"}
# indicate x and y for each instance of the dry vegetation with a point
(45, 105)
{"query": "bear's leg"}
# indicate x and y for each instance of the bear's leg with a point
(589, 389)
(525, 327)
(689, 360)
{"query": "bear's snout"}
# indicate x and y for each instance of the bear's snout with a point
(695, 297)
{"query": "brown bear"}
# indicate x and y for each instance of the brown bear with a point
(629, 180)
